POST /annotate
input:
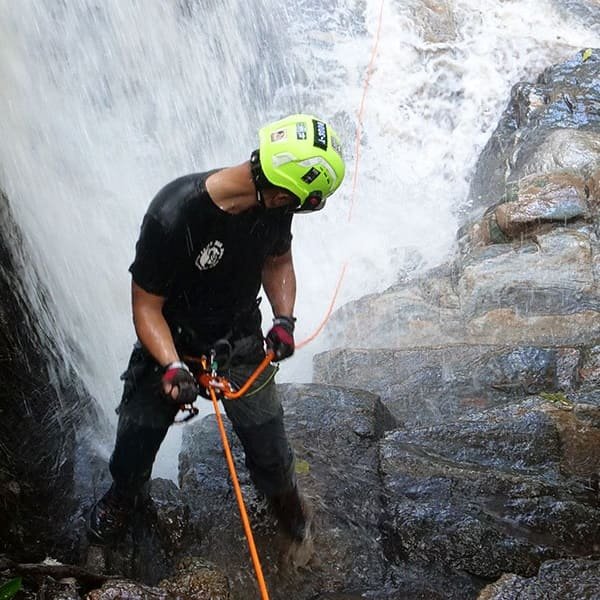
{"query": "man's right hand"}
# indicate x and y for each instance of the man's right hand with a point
(179, 384)
(280, 339)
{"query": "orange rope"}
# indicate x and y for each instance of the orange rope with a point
(240, 500)
(361, 109)
(263, 365)
(311, 337)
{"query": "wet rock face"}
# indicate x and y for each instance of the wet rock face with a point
(555, 579)
(498, 482)
(561, 195)
(587, 10)
(538, 238)
(430, 385)
(334, 433)
(493, 493)
(549, 126)
(41, 409)
(420, 311)
(545, 289)
(526, 272)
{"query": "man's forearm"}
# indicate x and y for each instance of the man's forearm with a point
(279, 283)
(154, 334)
(151, 327)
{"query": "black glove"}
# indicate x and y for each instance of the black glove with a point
(179, 384)
(280, 338)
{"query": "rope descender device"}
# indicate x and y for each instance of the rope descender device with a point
(222, 387)
(208, 379)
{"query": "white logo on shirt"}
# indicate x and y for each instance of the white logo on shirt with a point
(210, 256)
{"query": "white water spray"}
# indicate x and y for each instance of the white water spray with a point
(102, 104)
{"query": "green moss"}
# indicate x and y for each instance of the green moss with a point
(10, 588)
(556, 397)
(302, 467)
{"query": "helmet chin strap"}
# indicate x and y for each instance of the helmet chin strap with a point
(258, 177)
(260, 198)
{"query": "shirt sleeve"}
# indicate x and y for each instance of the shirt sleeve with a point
(154, 265)
(283, 241)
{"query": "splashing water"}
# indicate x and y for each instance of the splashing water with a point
(104, 103)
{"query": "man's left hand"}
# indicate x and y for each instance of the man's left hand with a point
(280, 338)
(179, 385)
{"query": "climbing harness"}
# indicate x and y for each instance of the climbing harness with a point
(218, 387)
(205, 371)
(209, 380)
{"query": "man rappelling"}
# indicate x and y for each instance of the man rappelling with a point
(207, 243)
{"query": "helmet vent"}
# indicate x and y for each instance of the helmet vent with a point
(310, 175)
(283, 159)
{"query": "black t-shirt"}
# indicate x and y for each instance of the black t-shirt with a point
(207, 263)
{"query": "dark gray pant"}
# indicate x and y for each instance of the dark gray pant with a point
(145, 415)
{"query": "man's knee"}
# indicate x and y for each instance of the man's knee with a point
(269, 456)
(133, 456)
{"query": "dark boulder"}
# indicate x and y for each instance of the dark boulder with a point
(45, 413)
(432, 384)
(577, 579)
(497, 492)
(334, 433)
(548, 125)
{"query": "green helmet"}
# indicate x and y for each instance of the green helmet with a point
(303, 155)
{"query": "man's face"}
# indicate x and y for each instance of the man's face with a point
(279, 198)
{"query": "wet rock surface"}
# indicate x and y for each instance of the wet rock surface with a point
(490, 362)
(334, 433)
(527, 265)
(517, 309)
(586, 9)
(435, 511)
(44, 413)
(498, 492)
(548, 126)
(569, 579)
(432, 384)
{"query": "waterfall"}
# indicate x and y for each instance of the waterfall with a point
(103, 103)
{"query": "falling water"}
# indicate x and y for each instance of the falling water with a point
(103, 103)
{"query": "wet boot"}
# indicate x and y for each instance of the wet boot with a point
(109, 517)
(292, 513)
